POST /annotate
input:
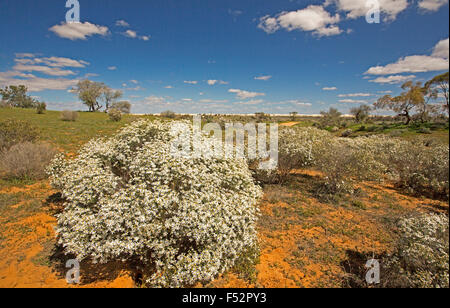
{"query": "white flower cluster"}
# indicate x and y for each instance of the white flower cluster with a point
(423, 252)
(187, 218)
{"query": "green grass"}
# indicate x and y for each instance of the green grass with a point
(68, 136)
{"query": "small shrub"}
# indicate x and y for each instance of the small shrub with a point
(297, 148)
(397, 132)
(185, 219)
(4, 104)
(115, 115)
(336, 162)
(420, 167)
(15, 131)
(424, 130)
(344, 160)
(41, 108)
(68, 115)
(123, 106)
(26, 160)
(347, 133)
(332, 117)
(372, 129)
(358, 204)
(422, 256)
(169, 114)
(361, 113)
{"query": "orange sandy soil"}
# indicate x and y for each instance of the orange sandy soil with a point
(289, 124)
(303, 241)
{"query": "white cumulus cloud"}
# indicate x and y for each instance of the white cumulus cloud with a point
(122, 23)
(416, 64)
(242, 94)
(357, 8)
(265, 78)
(431, 5)
(441, 50)
(213, 82)
(353, 101)
(355, 95)
(393, 79)
(78, 30)
(313, 18)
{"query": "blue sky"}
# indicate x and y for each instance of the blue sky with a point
(212, 56)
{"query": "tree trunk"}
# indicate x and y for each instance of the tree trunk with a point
(407, 116)
(408, 119)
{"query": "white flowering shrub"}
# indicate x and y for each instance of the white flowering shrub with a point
(422, 257)
(345, 160)
(186, 218)
(420, 167)
(417, 166)
(298, 147)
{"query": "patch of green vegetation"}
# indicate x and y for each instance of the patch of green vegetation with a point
(308, 211)
(68, 135)
(245, 266)
(358, 204)
(43, 257)
(11, 211)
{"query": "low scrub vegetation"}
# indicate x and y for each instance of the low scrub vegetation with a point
(298, 148)
(41, 108)
(68, 115)
(418, 166)
(16, 131)
(115, 115)
(123, 106)
(168, 114)
(26, 160)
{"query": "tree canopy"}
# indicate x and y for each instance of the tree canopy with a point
(403, 104)
(440, 83)
(16, 96)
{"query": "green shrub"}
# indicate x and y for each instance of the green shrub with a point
(347, 133)
(41, 108)
(26, 160)
(4, 104)
(115, 115)
(420, 167)
(424, 130)
(169, 114)
(332, 117)
(345, 160)
(15, 131)
(297, 148)
(372, 129)
(68, 115)
(123, 106)
(397, 132)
